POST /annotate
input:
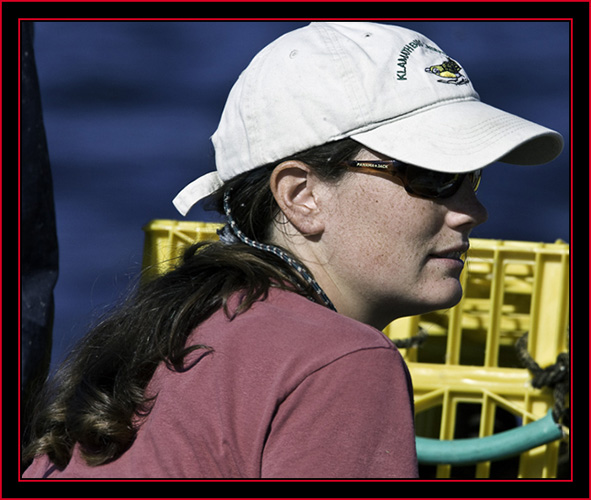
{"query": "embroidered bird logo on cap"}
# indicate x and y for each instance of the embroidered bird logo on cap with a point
(449, 72)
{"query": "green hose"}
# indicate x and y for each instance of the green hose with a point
(495, 447)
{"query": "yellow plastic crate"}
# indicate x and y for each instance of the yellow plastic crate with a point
(467, 378)
(165, 241)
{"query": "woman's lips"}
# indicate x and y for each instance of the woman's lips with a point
(451, 257)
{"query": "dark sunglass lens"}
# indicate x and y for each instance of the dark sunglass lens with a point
(432, 184)
(475, 178)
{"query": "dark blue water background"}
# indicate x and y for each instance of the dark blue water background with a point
(129, 108)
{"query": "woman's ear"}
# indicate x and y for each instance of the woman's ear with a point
(296, 190)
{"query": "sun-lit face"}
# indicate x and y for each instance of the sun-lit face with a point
(388, 254)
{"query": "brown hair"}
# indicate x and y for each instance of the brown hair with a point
(96, 396)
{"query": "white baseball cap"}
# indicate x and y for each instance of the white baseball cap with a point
(389, 88)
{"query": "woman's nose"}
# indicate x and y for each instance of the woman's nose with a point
(464, 208)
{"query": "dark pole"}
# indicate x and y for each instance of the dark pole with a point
(39, 248)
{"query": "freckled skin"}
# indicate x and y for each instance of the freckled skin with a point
(376, 253)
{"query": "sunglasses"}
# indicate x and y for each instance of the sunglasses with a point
(421, 181)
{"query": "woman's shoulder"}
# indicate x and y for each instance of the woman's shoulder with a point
(278, 342)
(288, 320)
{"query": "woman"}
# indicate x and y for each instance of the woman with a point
(349, 203)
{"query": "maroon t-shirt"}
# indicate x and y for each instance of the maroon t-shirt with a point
(291, 390)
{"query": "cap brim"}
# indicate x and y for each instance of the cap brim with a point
(462, 136)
